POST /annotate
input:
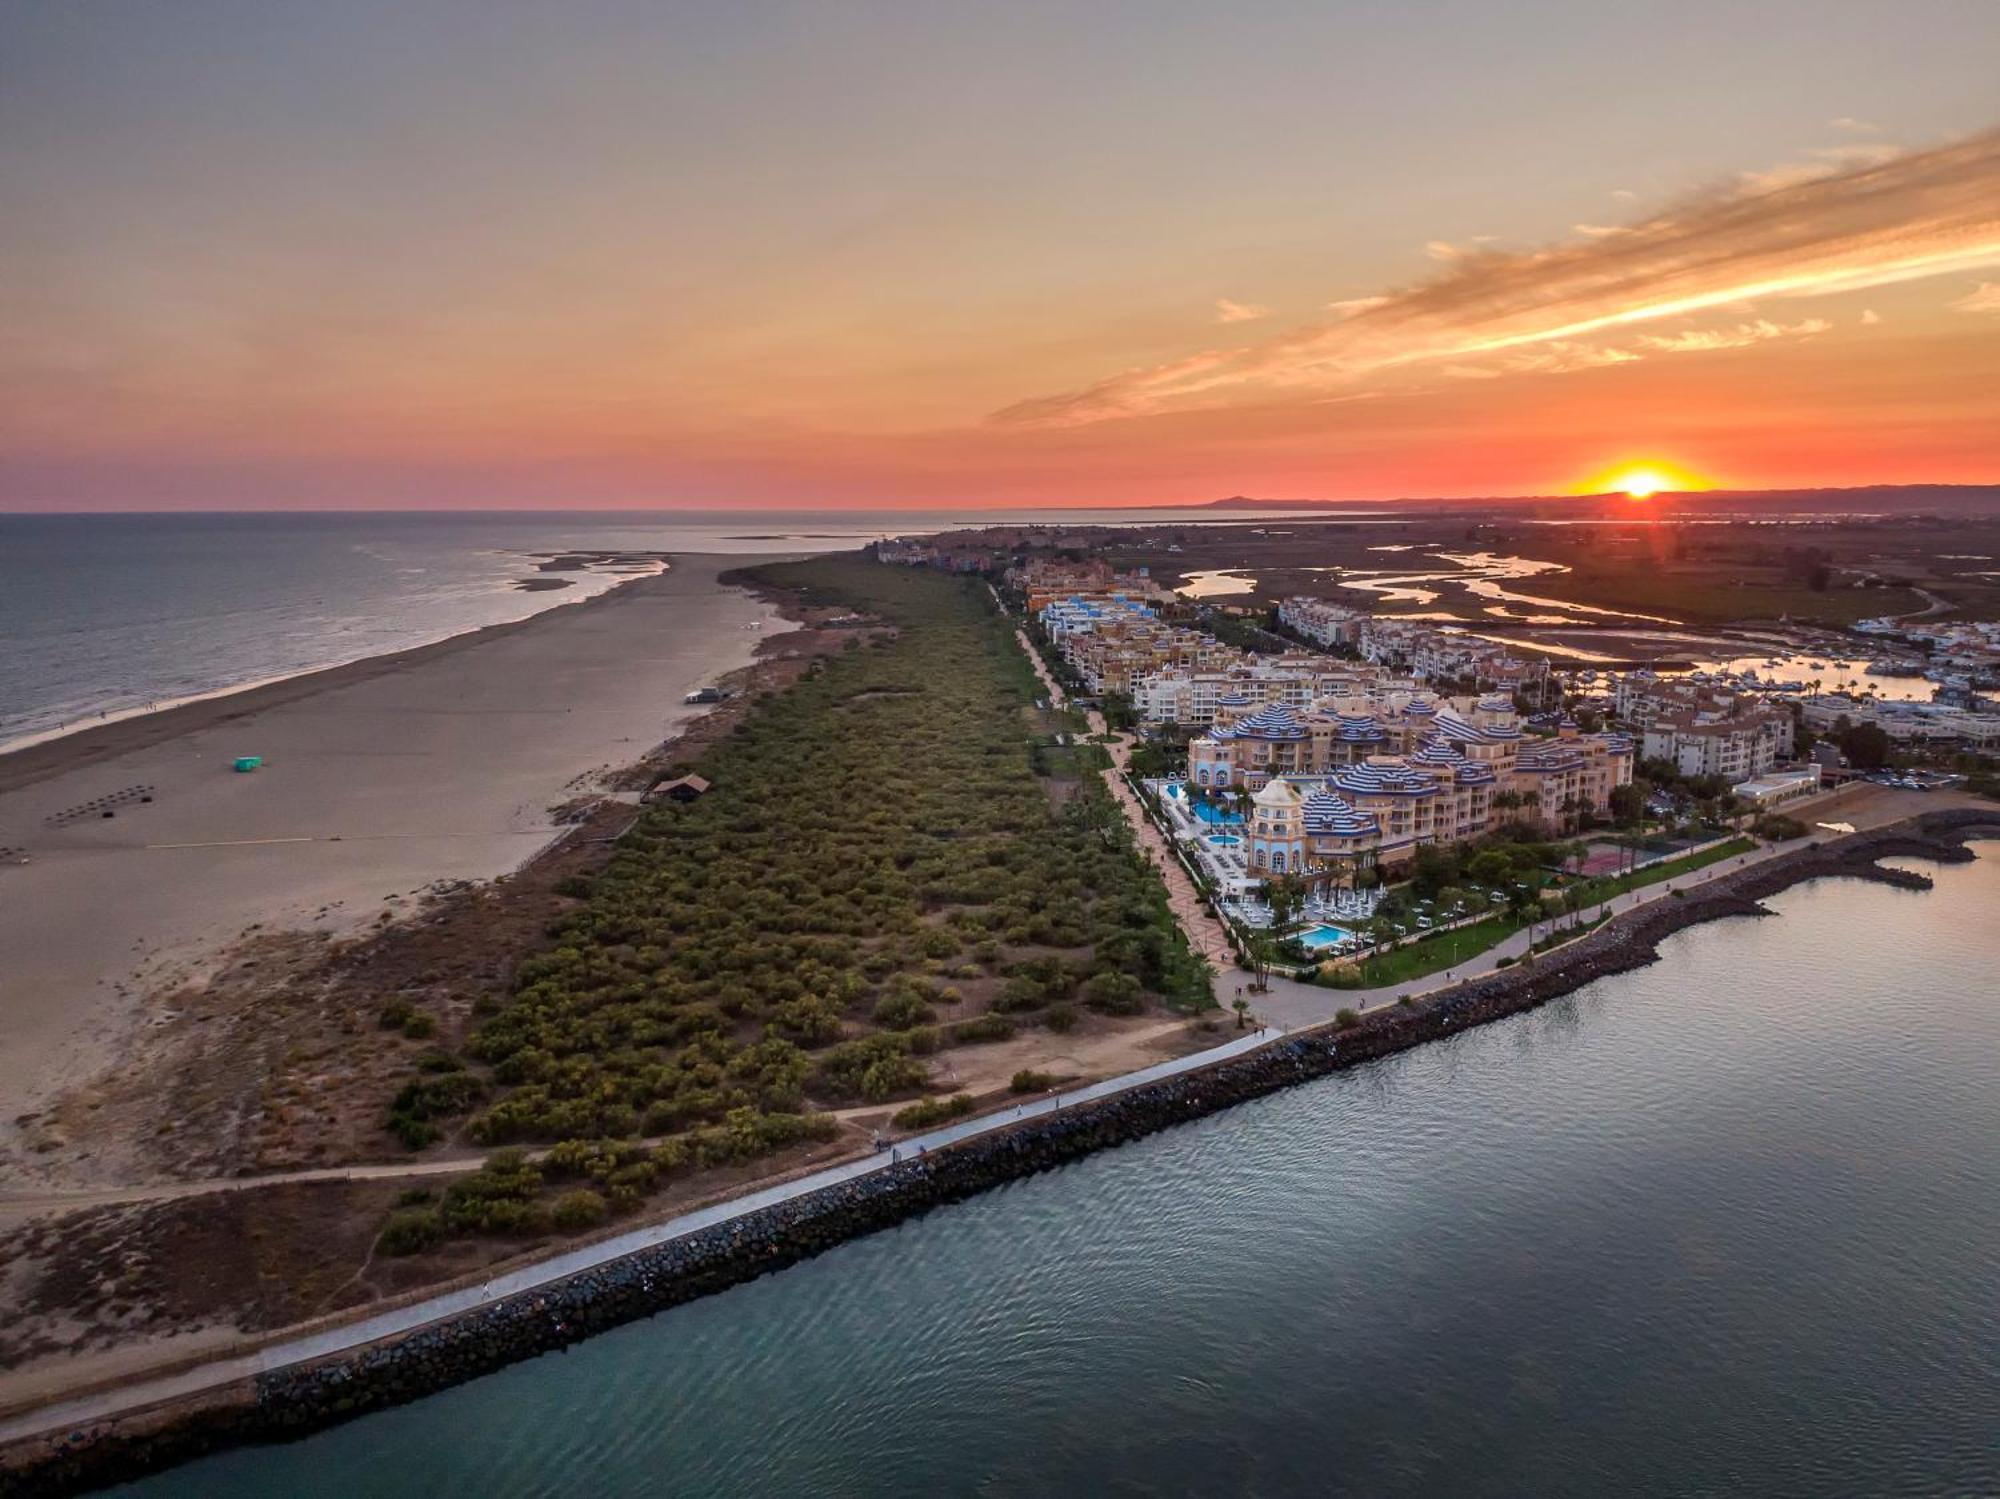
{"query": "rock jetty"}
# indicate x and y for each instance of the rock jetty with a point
(303, 1398)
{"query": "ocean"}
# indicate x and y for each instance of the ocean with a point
(1729, 1224)
(108, 615)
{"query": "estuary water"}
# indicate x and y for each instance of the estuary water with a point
(1726, 1225)
(110, 615)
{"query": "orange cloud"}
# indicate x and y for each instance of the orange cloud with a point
(1227, 311)
(1985, 299)
(1921, 214)
(1705, 340)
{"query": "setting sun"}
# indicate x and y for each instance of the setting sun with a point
(1641, 481)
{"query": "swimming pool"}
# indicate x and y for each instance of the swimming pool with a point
(1224, 840)
(1203, 809)
(1323, 936)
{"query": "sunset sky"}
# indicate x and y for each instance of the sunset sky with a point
(309, 255)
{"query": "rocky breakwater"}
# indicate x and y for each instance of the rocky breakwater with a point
(293, 1401)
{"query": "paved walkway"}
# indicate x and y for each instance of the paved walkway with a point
(89, 1409)
(1286, 1002)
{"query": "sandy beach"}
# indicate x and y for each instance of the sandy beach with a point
(380, 778)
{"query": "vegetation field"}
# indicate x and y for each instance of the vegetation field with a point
(892, 860)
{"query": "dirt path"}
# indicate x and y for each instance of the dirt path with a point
(1205, 931)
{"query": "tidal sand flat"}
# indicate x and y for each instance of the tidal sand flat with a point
(376, 780)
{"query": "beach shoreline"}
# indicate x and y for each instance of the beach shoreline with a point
(139, 857)
(36, 756)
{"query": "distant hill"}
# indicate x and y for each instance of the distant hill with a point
(1875, 499)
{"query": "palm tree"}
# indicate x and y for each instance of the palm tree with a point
(1379, 930)
(1527, 904)
(1284, 894)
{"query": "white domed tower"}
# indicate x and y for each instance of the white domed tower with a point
(1277, 829)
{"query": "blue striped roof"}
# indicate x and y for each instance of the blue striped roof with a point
(1459, 731)
(1360, 728)
(1551, 756)
(1335, 815)
(1440, 754)
(1384, 780)
(1272, 721)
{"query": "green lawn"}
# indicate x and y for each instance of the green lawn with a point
(1446, 950)
(1432, 954)
(1652, 874)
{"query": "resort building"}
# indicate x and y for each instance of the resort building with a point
(1781, 787)
(1195, 698)
(1115, 641)
(1371, 782)
(1431, 654)
(1909, 723)
(1703, 730)
(1323, 623)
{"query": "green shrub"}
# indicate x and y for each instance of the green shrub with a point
(414, 1134)
(577, 1209)
(410, 1231)
(900, 1009)
(746, 1134)
(937, 942)
(983, 1028)
(929, 1111)
(1026, 1081)
(1346, 1019)
(884, 1079)
(499, 1198)
(1060, 1018)
(596, 1159)
(1114, 994)
(439, 1095)
(810, 1019)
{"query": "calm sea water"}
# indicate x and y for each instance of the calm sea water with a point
(1728, 1225)
(108, 614)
